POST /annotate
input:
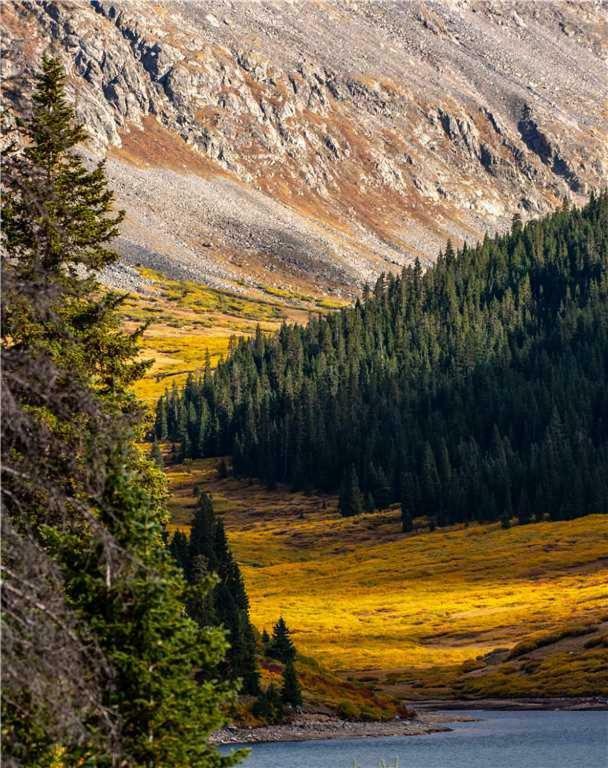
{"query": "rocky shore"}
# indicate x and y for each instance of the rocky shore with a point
(571, 704)
(309, 727)
(313, 726)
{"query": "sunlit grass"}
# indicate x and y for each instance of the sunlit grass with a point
(406, 610)
(329, 302)
(187, 320)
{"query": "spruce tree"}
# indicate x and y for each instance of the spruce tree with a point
(180, 550)
(430, 482)
(107, 671)
(60, 214)
(203, 532)
(381, 489)
(351, 501)
(291, 693)
(407, 524)
(207, 554)
(269, 705)
(281, 646)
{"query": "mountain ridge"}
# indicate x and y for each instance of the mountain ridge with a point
(337, 143)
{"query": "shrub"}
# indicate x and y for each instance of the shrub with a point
(348, 711)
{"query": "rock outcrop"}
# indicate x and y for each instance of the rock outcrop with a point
(317, 144)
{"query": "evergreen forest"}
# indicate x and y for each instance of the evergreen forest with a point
(474, 390)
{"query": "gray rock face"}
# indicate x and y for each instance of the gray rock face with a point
(367, 133)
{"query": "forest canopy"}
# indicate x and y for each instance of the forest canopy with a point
(474, 390)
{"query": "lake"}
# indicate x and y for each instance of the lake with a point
(498, 740)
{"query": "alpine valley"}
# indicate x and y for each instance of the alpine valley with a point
(305, 352)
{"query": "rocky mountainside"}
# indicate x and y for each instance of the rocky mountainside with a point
(316, 142)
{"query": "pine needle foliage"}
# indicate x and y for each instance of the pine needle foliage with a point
(101, 664)
(206, 558)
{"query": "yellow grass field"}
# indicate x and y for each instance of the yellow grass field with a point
(187, 320)
(423, 614)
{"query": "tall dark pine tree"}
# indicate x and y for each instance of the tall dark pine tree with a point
(179, 548)
(351, 500)
(407, 522)
(232, 606)
(269, 705)
(62, 215)
(100, 662)
(291, 692)
(202, 542)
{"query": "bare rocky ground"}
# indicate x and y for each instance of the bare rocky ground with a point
(313, 727)
(309, 144)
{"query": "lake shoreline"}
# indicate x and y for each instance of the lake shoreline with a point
(567, 704)
(311, 728)
(433, 717)
(560, 739)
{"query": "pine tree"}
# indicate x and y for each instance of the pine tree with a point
(180, 550)
(269, 706)
(161, 425)
(407, 524)
(351, 501)
(381, 489)
(203, 533)
(430, 481)
(206, 553)
(281, 646)
(62, 213)
(120, 655)
(291, 693)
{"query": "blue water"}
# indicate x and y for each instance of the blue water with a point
(498, 740)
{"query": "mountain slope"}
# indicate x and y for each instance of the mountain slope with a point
(291, 144)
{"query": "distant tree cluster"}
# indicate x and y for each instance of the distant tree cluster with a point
(473, 391)
(217, 597)
(272, 703)
(205, 556)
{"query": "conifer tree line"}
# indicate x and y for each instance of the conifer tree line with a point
(205, 558)
(204, 555)
(101, 665)
(472, 391)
